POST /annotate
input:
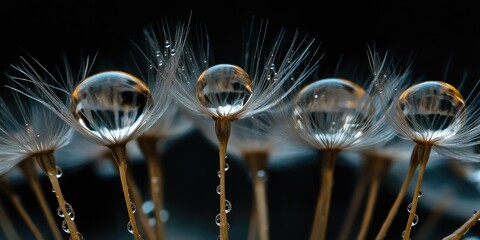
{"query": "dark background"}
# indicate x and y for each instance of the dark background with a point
(444, 39)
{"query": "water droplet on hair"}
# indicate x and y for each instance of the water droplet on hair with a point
(130, 227)
(228, 206)
(59, 172)
(409, 207)
(415, 220)
(219, 189)
(224, 89)
(133, 206)
(65, 226)
(217, 219)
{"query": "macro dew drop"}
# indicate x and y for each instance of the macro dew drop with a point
(110, 104)
(332, 109)
(224, 89)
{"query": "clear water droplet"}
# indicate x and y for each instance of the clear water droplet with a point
(224, 89)
(167, 44)
(133, 206)
(227, 166)
(65, 226)
(80, 236)
(219, 190)
(330, 110)
(130, 227)
(219, 174)
(59, 172)
(228, 206)
(110, 105)
(217, 219)
(415, 220)
(409, 207)
(69, 209)
(420, 193)
(53, 190)
(431, 109)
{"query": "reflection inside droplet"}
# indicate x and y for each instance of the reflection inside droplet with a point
(224, 89)
(332, 109)
(110, 104)
(432, 109)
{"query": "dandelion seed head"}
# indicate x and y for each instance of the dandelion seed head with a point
(331, 110)
(224, 89)
(111, 104)
(431, 110)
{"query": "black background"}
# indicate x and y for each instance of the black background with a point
(444, 39)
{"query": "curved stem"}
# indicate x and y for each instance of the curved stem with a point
(7, 226)
(120, 157)
(138, 201)
(423, 156)
(15, 199)
(356, 200)
(403, 190)
(148, 146)
(458, 234)
(378, 166)
(319, 227)
(222, 130)
(28, 169)
(47, 163)
(257, 162)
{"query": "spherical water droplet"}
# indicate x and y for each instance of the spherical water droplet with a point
(409, 207)
(228, 206)
(53, 190)
(80, 236)
(227, 166)
(415, 220)
(219, 174)
(65, 226)
(403, 234)
(167, 44)
(130, 227)
(217, 219)
(431, 109)
(164, 215)
(59, 172)
(70, 211)
(224, 89)
(110, 104)
(420, 193)
(133, 206)
(219, 190)
(332, 109)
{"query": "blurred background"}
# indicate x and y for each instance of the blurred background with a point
(443, 39)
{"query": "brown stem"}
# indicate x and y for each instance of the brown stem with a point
(257, 161)
(431, 222)
(356, 200)
(222, 130)
(120, 157)
(458, 234)
(253, 224)
(29, 172)
(47, 163)
(148, 146)
(17, 203)
(423, 156)
(403, 190)
(138, 201)
(319, 227)
(7, 225)
(378, 166)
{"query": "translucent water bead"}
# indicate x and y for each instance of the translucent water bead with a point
(432, 110)
(332, 110)
(110, 104)
(224, 89)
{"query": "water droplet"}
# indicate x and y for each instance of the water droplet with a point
(59, 172)
(80, 236)
(217, 219)
(431, 109)
(219, 174)
(110, 104)
(224, 89)
(228, 206)
(331, 110)
(219, 190)
(173, 52)
(158, 53)
(227, 166)
(262, 174)
(65, 226)
(70, 211)
(134, 208)
(167, 44)
(129, 227)
(420, 193)
(164, 215)
(53, 190)
(409, 207)
(415, 220)
(403, 234)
